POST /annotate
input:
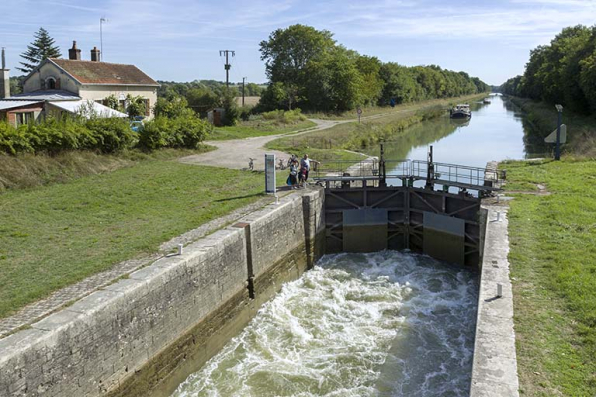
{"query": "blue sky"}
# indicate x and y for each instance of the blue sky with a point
(180, 39)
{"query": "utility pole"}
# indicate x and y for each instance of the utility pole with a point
(244, 78)
(101, 21)
(227, 65)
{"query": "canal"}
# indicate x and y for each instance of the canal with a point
(380, 324)
(496, 131)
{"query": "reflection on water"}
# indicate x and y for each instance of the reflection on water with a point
(496, 131)
(381, 324)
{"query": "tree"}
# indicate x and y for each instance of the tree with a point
(230, 107)
(135, 105)
(288, 51)
(43, 47)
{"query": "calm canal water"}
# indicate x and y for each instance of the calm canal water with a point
(496, 131)
(381, 324)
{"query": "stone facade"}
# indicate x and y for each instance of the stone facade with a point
(169, 317)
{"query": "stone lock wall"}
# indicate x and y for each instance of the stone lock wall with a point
(170, 317)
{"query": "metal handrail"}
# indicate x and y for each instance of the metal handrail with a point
(443, 173)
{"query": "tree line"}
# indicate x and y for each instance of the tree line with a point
(562, 72)
(307, 68)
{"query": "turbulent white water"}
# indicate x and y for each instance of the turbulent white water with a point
(382, 324)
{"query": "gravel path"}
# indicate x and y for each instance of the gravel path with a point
(236, 152)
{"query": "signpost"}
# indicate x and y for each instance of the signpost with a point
(558, 143)
(270, 173)
(552, 137)
(359, 111)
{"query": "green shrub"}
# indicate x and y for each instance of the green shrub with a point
(14, 140)
(111, 134)
(285, 116)
(186, 131)
(154, 134)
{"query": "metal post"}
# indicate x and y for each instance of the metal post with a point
(101, 21)
(558, 143)
(430, 174)
(382, 169)
(244, 78)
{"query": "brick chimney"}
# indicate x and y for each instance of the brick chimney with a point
(95, 56)
(4, 78)
(74, 53)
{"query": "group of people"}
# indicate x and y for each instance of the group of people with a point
(299, 171)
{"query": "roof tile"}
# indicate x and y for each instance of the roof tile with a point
(90, 72)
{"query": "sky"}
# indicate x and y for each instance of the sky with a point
(180, 40)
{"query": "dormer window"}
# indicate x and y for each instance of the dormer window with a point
(51, 83)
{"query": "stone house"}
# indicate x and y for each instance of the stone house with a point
(57, 80)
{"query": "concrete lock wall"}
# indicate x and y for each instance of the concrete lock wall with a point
(170, 317)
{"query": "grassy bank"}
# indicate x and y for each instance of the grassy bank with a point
(581, 130)
(248, 129)
(56, 235)
(356, 136)
(381, 110)
(553, 271)
(33, 170)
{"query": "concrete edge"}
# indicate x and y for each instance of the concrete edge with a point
(494, 371)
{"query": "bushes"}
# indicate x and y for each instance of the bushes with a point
(186, 131)
(105, 135)
(285, 116)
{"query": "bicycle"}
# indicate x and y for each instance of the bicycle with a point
(251, 163)
(282, 165)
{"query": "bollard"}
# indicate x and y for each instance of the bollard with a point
(499, 290)
(498, 216)
(276, 199)
(180, 248)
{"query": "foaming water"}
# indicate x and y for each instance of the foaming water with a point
(381, 324)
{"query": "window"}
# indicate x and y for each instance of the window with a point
(24, 118)
(51, 83)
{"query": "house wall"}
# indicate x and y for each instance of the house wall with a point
(99, 92)
(10, 115)
(63, 80)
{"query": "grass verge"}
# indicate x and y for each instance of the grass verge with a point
(57, 235)
(553, 271)
(248, 129)
(33, 170)
(581, 130)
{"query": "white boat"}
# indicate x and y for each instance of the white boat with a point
(460, 111)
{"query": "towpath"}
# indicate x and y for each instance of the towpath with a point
(235, 153)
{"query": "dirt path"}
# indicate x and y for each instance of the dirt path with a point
(236, 152)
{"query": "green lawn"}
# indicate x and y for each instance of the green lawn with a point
(247, 129)
(57, 235)
(553, 270)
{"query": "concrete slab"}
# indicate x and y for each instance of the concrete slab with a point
(63, 318)
(494, 371)
(15, 343)
(94, 302)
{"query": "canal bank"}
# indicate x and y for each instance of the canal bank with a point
(126, 338)
(45, 338)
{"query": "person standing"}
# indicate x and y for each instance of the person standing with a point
(292, 179)
(305, 169)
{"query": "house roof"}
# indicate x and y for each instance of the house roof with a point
(5, 105)
(83, 106)
(45, 95)
(90, 72)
